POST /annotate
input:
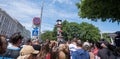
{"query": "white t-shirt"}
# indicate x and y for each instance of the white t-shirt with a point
(72, 48)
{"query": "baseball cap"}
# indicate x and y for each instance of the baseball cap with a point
(26, 50)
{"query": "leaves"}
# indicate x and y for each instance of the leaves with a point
(47, 35)
(84, 31)
(71, 30)
(100, 9)
(89, 32)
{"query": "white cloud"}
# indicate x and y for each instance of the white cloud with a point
(63, 1)
(22, 10)
(25, 10)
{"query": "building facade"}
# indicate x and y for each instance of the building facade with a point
(8, 26)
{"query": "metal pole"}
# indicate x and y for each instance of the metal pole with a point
(41, 20)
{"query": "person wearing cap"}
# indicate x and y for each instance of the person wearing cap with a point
(26, 51)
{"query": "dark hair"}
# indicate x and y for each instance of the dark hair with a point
(44, 50)
(1, 43)
(104, 41)
(16, 37)
(27, 41)
(79, 43)
(98, 45)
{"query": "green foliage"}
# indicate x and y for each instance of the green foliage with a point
(100, 9)
(89, 32)
(47, 35)
(84, 31)
(105, 36)
(71, 30)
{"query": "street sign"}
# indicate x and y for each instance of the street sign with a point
(35, 32)
(36, 21)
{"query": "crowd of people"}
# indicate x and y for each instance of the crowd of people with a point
(15, 48)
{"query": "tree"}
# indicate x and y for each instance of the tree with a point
(84, 31)
(89, 32)
(70, 30)
(100, 9)
(65, 33)
(47, 35)
(106, 36)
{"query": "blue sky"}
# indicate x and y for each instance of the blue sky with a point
(25, 10)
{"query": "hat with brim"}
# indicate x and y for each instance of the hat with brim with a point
(35, 52)
(26, 50)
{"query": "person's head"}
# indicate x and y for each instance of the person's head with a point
(36, 42)
(28, 42)
(48, 41)
(53, 44)
(74, 41)
(27, 50)
(16, 39)
(104, 43)
(79, 43)
(3, 44)
(62, 47)
(86, 47)
(98, 45)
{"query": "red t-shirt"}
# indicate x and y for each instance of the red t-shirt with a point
(48, 56)
(95, 51)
